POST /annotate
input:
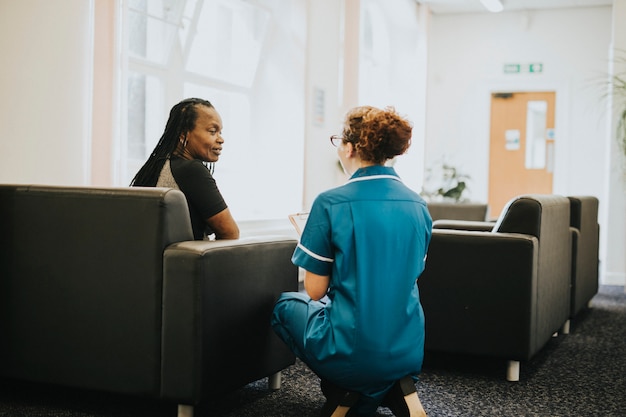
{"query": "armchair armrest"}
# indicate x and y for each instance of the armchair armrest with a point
(478, 293)
(478, 226)
(218, 298)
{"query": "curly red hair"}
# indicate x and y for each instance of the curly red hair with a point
(377, 134)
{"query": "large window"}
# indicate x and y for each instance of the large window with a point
(247, 58)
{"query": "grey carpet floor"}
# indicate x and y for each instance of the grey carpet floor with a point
(580, 374)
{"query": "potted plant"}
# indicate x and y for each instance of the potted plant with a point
(445, 183)
(617, 92)
(619, 101)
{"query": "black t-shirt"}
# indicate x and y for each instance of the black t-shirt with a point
(203, 197)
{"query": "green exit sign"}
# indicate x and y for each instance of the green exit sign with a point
(512, 68)
(532, 68)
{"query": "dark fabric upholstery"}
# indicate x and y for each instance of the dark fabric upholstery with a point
(457, 211)
(82, 281)
(504, 293)
(219, 298)
(477, 292)
(585, 247)
(470, 225)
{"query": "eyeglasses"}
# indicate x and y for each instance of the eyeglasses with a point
(336, 140)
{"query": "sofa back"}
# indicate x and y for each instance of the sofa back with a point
(457, 211)
(81, 273)
(584, 218)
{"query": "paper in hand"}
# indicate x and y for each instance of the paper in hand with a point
(298, 220)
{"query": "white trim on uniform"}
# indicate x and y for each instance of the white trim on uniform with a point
(374, 177)
(315, 255)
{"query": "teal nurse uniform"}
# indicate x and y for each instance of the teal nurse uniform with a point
(370, 236)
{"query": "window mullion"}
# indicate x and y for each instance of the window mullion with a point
(193, 30)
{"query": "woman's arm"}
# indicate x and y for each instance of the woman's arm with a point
(315, 285)
(223, 225)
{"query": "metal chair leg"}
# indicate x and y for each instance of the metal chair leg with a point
(274, 381)
(185, 410)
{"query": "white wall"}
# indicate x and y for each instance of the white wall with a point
(324, 54)
(45, 80)
(463, 70)
(333, 59)
(572, 45)
(614, 201)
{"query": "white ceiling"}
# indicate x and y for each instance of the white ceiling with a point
(474, 6)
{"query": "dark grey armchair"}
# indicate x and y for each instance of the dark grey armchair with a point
(500, 293)
(105, 289)
(585, 244)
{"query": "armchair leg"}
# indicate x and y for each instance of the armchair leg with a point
(274, 381)
(565, 329)
(512, 371)
(185, 410)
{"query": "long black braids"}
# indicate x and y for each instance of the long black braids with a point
(182, 119)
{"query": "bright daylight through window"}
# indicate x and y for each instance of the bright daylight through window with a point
(232, 53)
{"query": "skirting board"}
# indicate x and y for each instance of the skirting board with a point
(613, 278)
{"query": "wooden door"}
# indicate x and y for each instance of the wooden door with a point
(521, 152)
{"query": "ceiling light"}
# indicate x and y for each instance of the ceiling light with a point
(493, 6)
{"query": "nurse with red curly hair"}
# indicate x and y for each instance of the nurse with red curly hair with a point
(360, 325)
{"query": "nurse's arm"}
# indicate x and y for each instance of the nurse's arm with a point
(315, 285)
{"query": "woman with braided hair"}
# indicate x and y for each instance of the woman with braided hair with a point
(191, 140)
(360, 325)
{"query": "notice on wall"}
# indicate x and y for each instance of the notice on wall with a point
(512, 139)
(319, 106)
